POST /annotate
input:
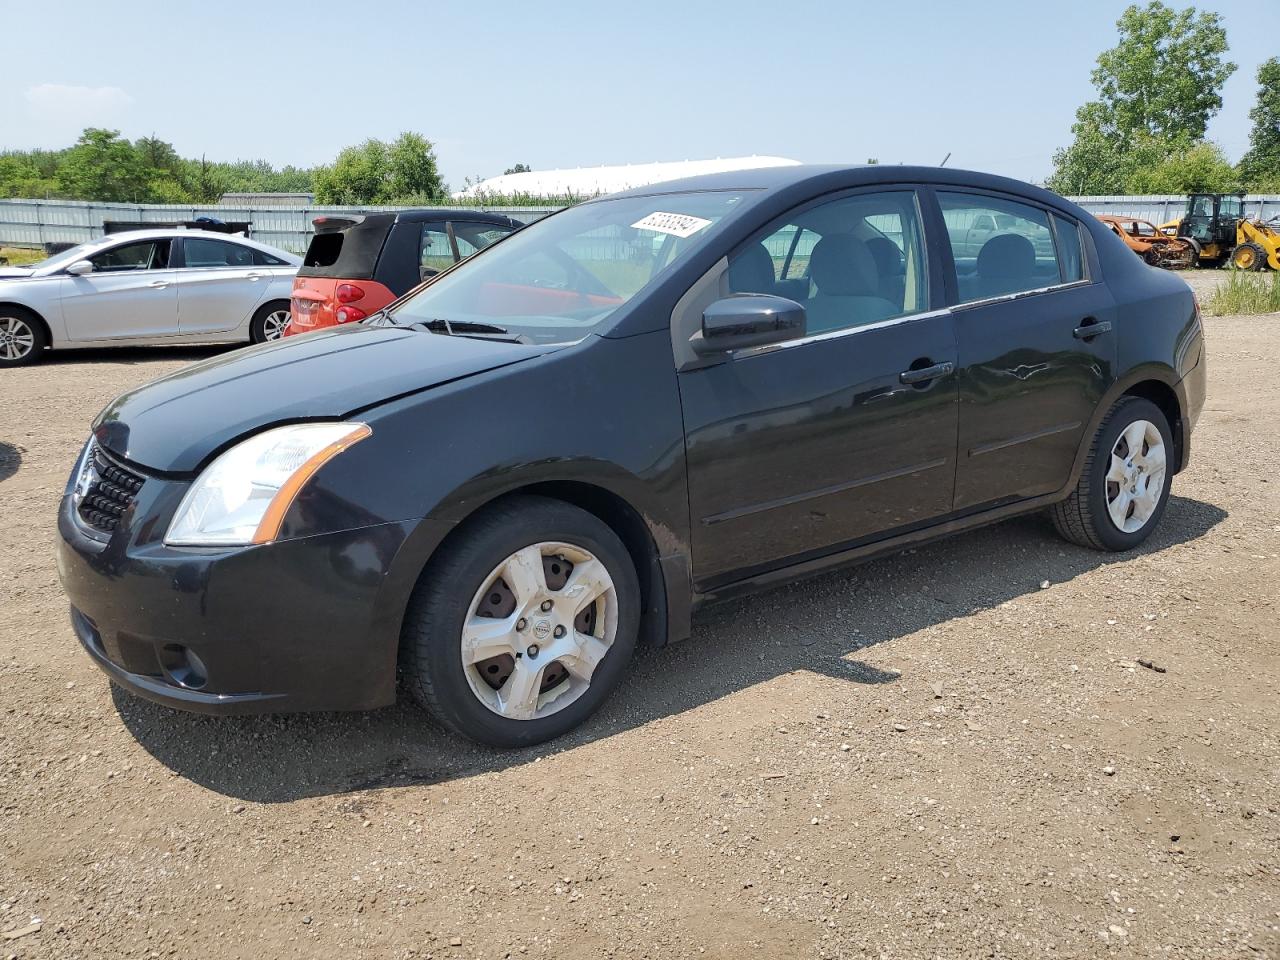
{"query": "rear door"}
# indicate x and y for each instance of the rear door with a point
(130, 293)
(1037, 352)
(219, 285)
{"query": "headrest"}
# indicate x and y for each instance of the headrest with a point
(887, 256)
(1007, 256)
(751, 271)
(841, 266)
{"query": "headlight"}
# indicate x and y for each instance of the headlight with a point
(242, 497)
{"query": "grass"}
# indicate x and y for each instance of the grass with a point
(18, 256)
(1246, 293)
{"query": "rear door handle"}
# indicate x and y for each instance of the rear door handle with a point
(255, 275)
(1087, 331)
(158, 284)
(926, 373)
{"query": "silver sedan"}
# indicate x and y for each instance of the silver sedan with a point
(146, 287)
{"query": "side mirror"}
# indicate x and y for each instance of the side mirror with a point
(747, 320)
(79, 268)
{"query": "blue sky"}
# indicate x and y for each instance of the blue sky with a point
(994, 83)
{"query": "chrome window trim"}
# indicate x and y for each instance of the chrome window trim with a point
(1021, 294)
(837, 334)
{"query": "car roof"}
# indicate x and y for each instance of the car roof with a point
(450, 213)
(837, 176)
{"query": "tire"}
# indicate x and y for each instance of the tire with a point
(1254, 257)
(465, 585)
(269, 322)
(22, 337)
(1088, 516)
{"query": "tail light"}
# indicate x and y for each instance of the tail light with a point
(350, 314)
(348, 292)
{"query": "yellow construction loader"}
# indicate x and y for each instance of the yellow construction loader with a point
(1220, 232)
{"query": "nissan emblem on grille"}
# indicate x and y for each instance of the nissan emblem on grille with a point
(104, 490)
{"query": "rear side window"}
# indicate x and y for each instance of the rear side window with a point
(435, 253)
(263, 259)
(1070, 251)
(472, 237)
(200, 252)
(1000, 247)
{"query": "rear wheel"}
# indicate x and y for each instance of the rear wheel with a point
(22, 337)
(1124, 486)
(1248, 256)
(269, 322)
(518, 631)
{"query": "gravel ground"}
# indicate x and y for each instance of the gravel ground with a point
(953, 752)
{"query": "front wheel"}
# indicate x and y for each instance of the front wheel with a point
(1124, 486)
(521, 628)
(1248, 256)
(269, 322)
(22, 337)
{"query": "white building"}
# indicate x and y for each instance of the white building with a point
(592, 181)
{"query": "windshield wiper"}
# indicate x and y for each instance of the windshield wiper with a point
(450, 327)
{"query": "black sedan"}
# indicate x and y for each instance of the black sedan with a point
(641, 404)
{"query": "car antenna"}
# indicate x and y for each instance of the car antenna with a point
(945, 159)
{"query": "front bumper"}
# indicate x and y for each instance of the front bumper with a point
(306, 624)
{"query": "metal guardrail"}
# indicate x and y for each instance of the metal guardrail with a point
(1162, 209)
(34, 223)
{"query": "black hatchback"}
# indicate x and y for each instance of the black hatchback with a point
(628, 409)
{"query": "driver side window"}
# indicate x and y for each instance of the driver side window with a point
(143, 255)
(850, 262)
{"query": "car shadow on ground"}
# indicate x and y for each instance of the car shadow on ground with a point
(10, 460)
(136, 355)
(819, 625)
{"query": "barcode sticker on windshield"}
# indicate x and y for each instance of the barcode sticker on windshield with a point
(677, 224)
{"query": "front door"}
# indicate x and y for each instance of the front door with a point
(844, 435)
(130, 293)
(1037, 352)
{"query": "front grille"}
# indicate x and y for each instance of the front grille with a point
(105, 490)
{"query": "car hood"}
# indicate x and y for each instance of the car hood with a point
(176, 423)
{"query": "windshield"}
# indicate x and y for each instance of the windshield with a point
(561, 278)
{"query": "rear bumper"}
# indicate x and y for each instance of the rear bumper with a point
(309, 624)
(1191, 391)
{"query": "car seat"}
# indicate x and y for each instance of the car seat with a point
(844, 271)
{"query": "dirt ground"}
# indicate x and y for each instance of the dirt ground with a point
(955, 752)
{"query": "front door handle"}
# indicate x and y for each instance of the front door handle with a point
(158, 284)
(1087, 331)
(255, 275)
(926, 373)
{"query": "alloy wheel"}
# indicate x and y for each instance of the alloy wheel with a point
(274, 323)
(1135, 476)
(537, 629)
(17, 339)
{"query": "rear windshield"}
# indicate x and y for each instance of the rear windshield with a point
(347, 254)
(562, 277)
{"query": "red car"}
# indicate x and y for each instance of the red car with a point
(356, 265)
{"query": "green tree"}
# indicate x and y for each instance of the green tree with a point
(1157, 89)
(102, 166)
(377, 172)
(1165, 76)
(1260, 166)
(518, 168)
(1200, 168)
